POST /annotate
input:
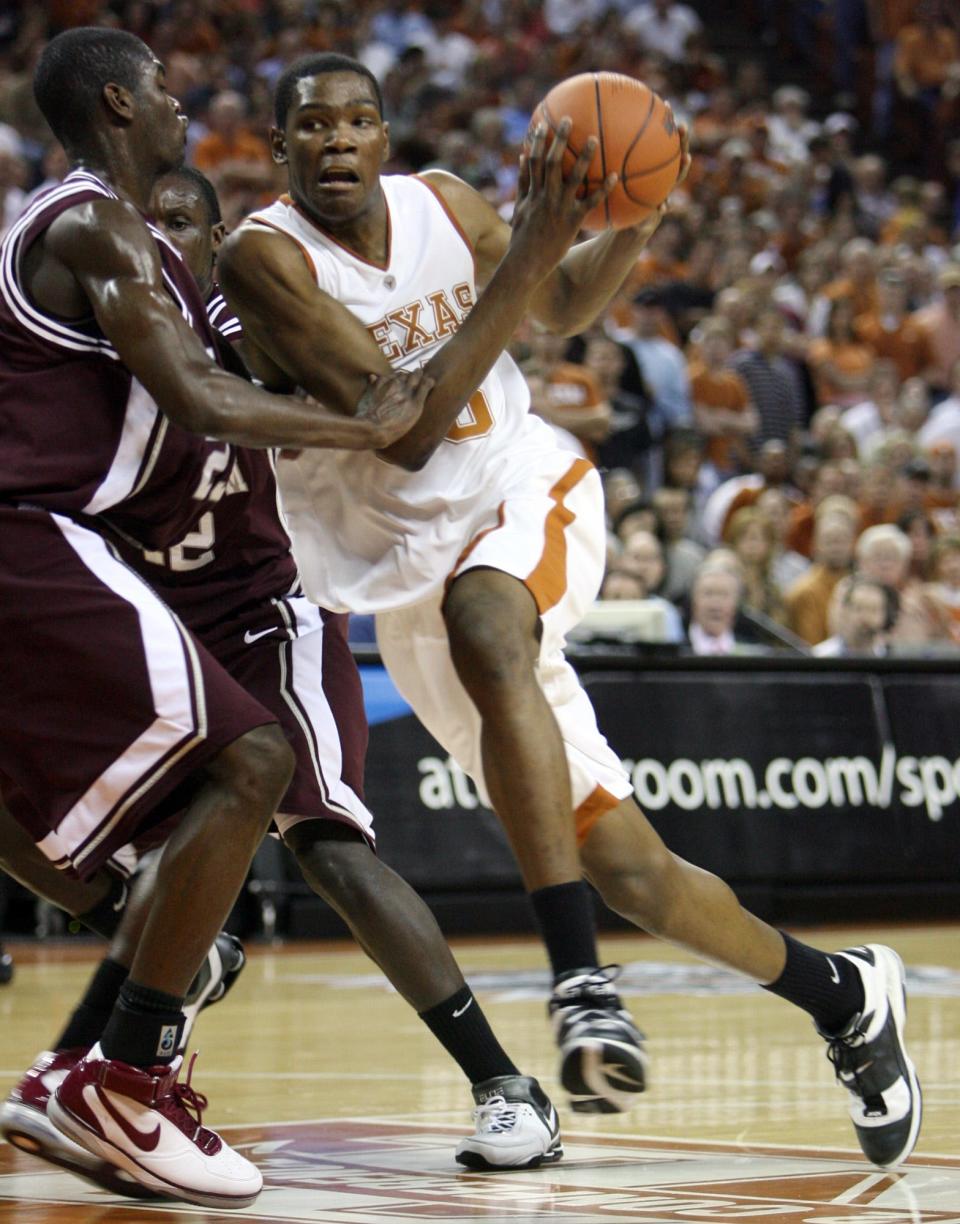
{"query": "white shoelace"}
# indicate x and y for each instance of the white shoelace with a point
(495, 1116)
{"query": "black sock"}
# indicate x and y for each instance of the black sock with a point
(106, 916)
(85, 1027)
(460, 1026)
(565, 917)
(144, 1029)
(828, 987)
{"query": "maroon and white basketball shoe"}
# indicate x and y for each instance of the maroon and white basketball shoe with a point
(25, 1125)
(140, 1120)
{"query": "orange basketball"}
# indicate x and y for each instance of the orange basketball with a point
(637, 135)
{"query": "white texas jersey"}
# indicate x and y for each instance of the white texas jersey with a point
(368, 535)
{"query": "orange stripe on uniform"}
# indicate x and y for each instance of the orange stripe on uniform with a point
(547, 581)
(598, 802)
(481, 535)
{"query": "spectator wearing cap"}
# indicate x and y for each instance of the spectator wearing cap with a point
(940, 322)
(773, 472)
(789, 127)
(841, 363)
(891, 332)
(722, 409)
(862, 614)
(808, 600)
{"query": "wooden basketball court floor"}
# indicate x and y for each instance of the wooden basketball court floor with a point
(330, 1083)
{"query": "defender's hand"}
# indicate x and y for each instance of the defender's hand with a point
(392, 403)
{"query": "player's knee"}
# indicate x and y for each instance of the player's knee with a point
(489, 652)
(642, 892)
(335, 859)
(257, 767)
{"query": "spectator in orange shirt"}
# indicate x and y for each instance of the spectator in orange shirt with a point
(228, 140)
(567, 395)
(752, 537)
(808, 600)
(941, 325)
(858, 282)
(945, 587)
(927, 56)
(722, 409)
(830, 480)
(891, 332)
(840, 362)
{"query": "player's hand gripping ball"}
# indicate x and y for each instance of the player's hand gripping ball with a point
(637, 138)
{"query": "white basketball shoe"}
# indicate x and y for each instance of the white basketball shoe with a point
(140, 1121)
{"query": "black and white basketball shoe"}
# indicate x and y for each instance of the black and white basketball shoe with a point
(871, 1061)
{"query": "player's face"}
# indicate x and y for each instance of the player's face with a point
(180, 212)
(164, 124)
(334, 144)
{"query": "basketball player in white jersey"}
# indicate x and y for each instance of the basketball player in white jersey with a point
(478, 544)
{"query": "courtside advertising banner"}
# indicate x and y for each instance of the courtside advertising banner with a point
(772, 777)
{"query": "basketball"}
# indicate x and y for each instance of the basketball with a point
(638, 140)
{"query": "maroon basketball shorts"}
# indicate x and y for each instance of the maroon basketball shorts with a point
(108, 706)
(293, 657)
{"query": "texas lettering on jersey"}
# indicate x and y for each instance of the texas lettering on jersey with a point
(420, 325)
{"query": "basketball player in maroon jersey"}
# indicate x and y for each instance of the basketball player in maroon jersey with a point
(516, 1124)
(115, 421)
(335, 280)
(190, 552)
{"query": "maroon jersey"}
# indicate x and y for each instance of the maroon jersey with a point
(238, 554)
(78, 433)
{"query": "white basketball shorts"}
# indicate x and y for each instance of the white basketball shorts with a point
(548, 531)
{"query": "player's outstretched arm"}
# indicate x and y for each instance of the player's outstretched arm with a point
(548, 218)
(110, 253)
(294, 330)
(587, 278)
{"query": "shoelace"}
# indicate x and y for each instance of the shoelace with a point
(845, 1053)
(496, 1116)
(185, 1098)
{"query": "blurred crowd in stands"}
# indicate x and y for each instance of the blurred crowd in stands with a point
(774, 395)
